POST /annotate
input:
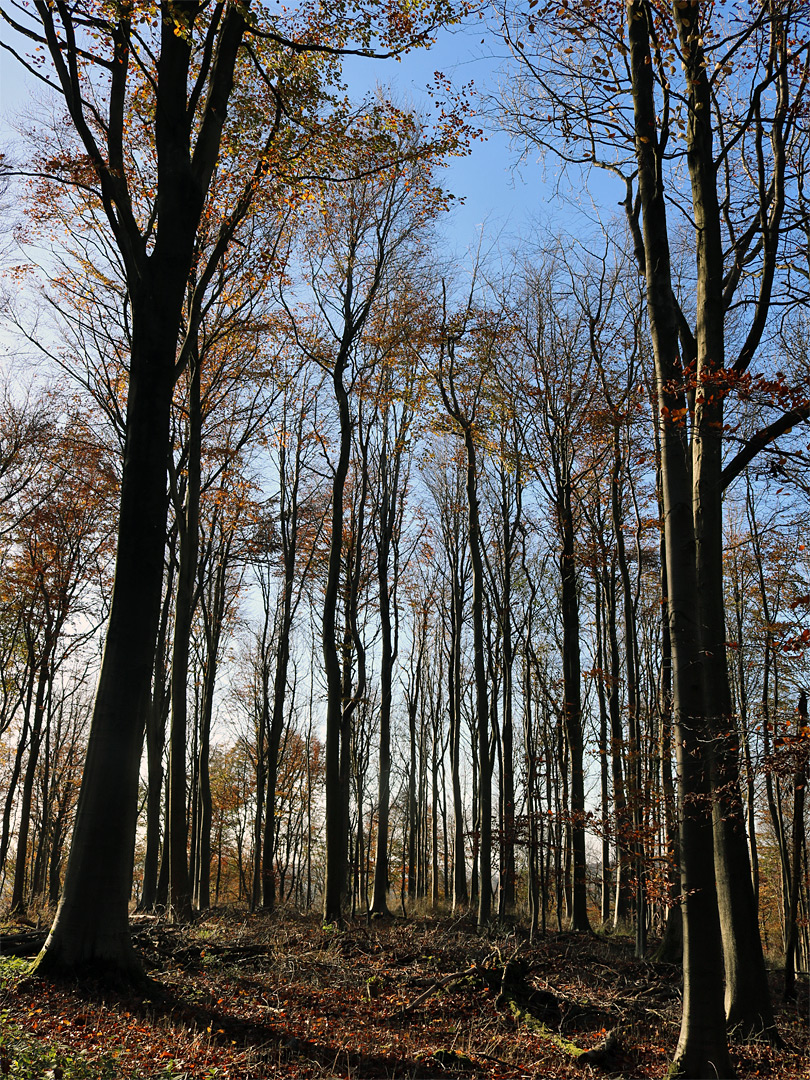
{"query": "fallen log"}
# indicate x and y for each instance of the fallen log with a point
(22, 943)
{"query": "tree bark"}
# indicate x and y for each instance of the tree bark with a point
(747, 997)
(702, 1049)
(91, 925)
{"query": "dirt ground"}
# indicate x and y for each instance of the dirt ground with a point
(249, 997)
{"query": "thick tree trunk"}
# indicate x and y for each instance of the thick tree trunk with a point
(91, 925)
(702, 1049)
(91, 928)
(747, 996)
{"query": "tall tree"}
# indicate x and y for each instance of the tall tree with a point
(733, 124)
(186, 58)
(367, 231)
(394, 400)
(464, 375)
(558, 393)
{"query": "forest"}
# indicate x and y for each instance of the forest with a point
(404, 655)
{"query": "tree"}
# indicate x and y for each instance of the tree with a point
(445, 479)
(734, 125)
(553, 364)
(91, 923)
(394, 401)
(463, 382)
(298, 530)
(366, 231)
(185, 59)
(59, 565)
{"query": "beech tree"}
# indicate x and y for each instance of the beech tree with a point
(599, 91)
(296, 535)
(558, 393)
(394, 395)
(365, 232)
(53, 577)
(444, 476)
(186, 58)
(463, 374)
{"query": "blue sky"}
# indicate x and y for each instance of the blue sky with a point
(507, 200)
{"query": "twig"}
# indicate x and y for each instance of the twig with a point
(452, 977)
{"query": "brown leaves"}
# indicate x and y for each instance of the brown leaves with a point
(247, 997)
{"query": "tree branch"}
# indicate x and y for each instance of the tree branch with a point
(762, 438)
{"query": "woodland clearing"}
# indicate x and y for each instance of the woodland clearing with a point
(246, 997)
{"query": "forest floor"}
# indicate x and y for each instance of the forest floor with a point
(248, 997)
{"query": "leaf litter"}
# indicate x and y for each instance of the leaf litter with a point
(251, 997)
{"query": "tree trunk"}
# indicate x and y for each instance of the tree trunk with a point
(387, 517)
(19, 898)
(91, 927)
(702, 1049)
(799, 785)
(747, 996)
(188, 519)
(578, 914)
(155, 741)
(336, 820)
(481, 697)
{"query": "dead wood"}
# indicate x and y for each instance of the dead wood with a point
(23, 943)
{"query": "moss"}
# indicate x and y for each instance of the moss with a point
(538, 1028)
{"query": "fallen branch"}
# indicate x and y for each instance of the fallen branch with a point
(26, 943)
(455, 976)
